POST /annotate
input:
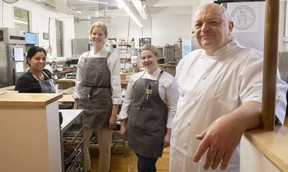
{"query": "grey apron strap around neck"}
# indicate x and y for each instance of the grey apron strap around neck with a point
(158, 77)
(46, 75)
(160, 74)
(108, 54)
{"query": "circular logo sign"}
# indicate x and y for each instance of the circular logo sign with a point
(243, 17)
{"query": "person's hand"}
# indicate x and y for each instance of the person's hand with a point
(220, 140)
(112, 122)
(166, 141)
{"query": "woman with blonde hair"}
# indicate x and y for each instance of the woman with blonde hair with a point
(148, 109)
(98, 91)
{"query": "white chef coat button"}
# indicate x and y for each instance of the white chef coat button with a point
(192, 76)
(204, 77)
(185, 145)
(195, 100)
(188, 123)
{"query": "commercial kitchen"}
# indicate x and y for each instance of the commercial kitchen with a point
(33, 140)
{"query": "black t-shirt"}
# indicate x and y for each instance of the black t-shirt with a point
(28, 84)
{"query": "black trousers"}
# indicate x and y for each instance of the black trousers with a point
(146, 164)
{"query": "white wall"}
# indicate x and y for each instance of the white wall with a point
(118, 27)
(168, 29)
(40, 17)
(161, 29)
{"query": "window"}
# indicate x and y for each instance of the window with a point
(59, 38)
(21, 19)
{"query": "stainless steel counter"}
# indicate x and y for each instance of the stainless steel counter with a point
(70, 116)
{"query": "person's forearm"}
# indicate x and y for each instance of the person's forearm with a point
(123, 122)
(248, 115)
(115, 110)
(168, 132)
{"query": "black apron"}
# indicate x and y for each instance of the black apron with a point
(96, 95)
(147, 119)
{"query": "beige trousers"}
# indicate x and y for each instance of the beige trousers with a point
(104, 136)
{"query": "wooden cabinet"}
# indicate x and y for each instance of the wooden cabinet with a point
(264, 151)
(31, 135)
(30, 132)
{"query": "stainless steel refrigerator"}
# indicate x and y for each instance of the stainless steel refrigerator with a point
(12, 56)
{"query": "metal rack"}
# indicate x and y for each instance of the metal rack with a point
(73, 148)
(72, 141)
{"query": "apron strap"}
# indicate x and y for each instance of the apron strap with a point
(45, 74)
(39, 79)
(160, 74)
(158, 77)
(108, 55)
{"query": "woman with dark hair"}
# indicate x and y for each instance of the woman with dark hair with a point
(36, 79)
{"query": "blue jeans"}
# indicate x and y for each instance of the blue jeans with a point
(146, 164)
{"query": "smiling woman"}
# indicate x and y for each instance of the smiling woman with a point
(149, 105)
(36, 79)
(98, 92)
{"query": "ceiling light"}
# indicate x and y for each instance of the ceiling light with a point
(140, 8)
(21, 22)
(96, 2)
(128, 11)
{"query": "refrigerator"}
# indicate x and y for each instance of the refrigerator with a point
(12, 56)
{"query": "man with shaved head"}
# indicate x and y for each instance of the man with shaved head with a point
(220, 88)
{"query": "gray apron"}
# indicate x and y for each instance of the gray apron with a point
(47, 86)
(96, 95)
(147, 119)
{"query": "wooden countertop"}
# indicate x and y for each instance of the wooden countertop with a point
(67, 98)
(273, 144)
(27, 99)
(66, 80)
(9, 88)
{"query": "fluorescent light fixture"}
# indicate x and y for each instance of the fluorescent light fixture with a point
(128, 11)
(95, 2)
(138, 5)
(21, 22)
